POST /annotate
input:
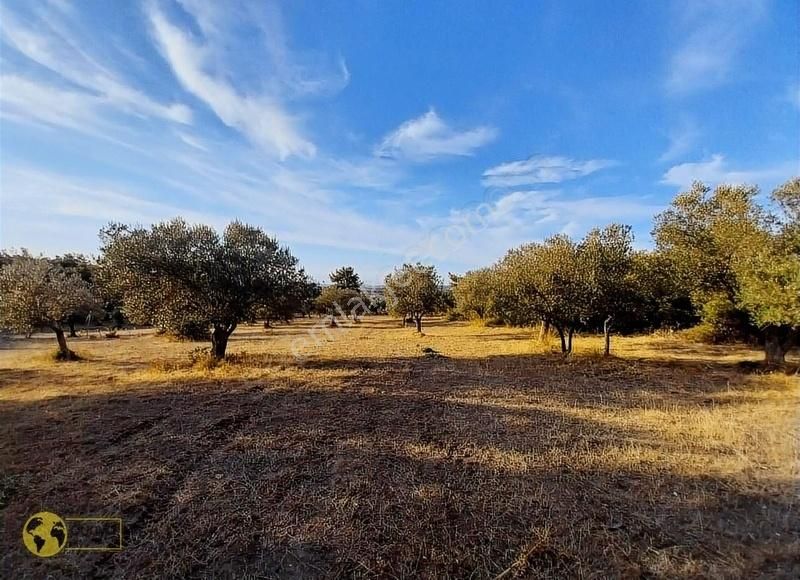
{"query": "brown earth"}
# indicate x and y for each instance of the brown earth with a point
(489, 457)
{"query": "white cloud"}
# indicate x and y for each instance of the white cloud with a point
(26, 101)
(478, 236)
(50, 45)
(60, 195)
(681, 140)
(713, 33)
(716, 170)
(428, 137)
(541, 169)
(46, 104)
(260, 118)
(192, 141)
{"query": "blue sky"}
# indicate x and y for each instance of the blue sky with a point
(373, 133)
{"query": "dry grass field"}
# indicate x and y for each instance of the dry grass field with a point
(372, 459)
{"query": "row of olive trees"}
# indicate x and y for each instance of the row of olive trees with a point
(720, 256)
(185, 279)
(561, 283)
(173, 275)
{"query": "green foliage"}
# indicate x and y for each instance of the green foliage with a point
(346, 278)
(85, 268)
(309, 291)
(543, 282)
(336, 301)
(567, 284)
(768, 270)
(175, 274)
(297, 297)
(35, 292)
(660, 299)
(741, 261)
(703, 232)
(723, 322)
(414, 290)
(606, 261)
(475, 294)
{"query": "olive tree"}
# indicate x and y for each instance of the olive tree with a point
(81, 265)
(544, 282)
(734, 251)
(35, 292)
(661, 299)
(474, 293)
(415, 291)
(605, 261)
(769, 276)
(334, 301)
(297, 297)
(704, 234)
(175, 273)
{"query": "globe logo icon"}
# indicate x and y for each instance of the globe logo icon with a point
(44, 534)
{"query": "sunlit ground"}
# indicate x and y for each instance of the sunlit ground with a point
(367, 457)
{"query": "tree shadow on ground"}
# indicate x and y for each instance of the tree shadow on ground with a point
(415, 467)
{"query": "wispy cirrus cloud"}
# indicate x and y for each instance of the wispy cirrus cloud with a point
(682, 139)
(45, 39)
(542, 169)
(33, 103)
(27, 100)
(259, 117)
(286, 71)
(717, 170)
(428, 137)
(712, 33)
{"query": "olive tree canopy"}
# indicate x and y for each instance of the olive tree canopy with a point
(175, 273)
(36, 292)
(414, 290)
(731, 249)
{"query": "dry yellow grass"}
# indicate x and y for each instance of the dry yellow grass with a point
(371, 459)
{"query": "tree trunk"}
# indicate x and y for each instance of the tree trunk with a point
(63, 350)
(219, 339)
(607, 335)
(563, 340)
(71, 324)
(544, 330)
(569, 341)
(418, 320)
(778, 340)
